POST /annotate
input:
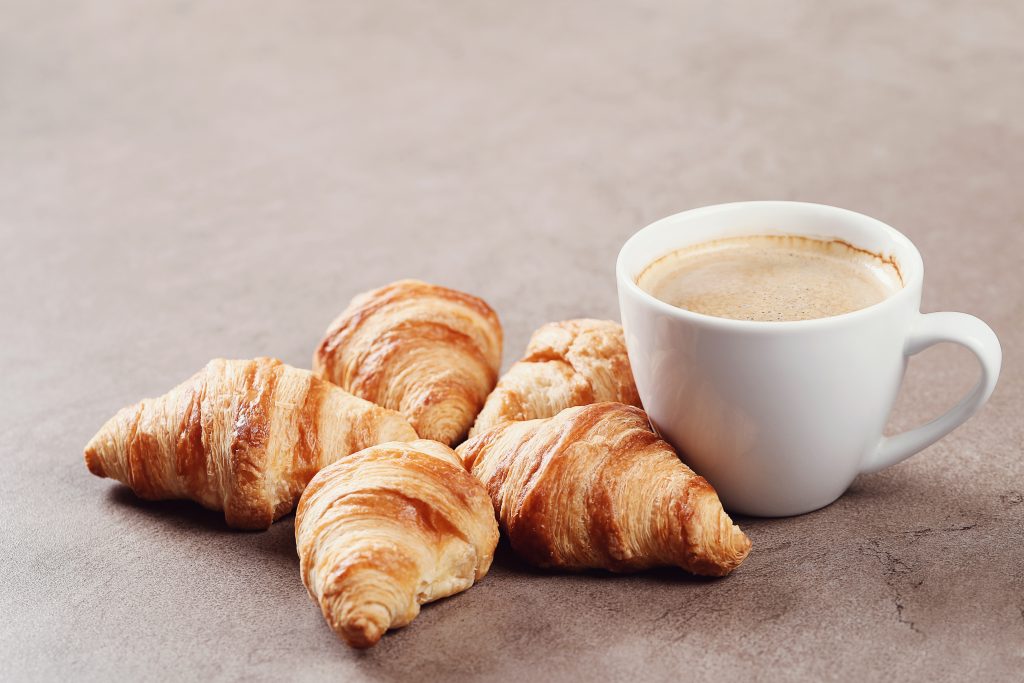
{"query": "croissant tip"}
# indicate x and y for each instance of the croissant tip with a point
(740, 547)
(722, 545)
(92, 461)
(361, 632)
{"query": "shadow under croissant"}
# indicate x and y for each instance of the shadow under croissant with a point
(280, 538)
(186, 515)
(474, 620)
(508, 561)
(180, 514)
(189, 517)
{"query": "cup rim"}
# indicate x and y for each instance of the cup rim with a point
(911, 284)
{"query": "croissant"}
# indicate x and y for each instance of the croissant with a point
(242, 436)
(388, 529)
(594, 487)
(429, 352)
(568, 363)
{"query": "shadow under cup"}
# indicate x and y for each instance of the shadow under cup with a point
(779, 416)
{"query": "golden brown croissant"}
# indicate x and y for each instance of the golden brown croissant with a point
(429, 352)
(594, 487)
(568, 363)
(388, 529)
(242, 436)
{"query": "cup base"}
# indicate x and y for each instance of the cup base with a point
(777, 511)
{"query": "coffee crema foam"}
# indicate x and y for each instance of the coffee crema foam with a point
(771, 278)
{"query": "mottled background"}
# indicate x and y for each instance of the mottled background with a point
(185, 180)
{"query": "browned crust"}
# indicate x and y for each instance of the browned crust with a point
(373, 368)
(208, 439)
(567, 363)
(606, 525)
(403, 368)
(528, 529)
(307, 456)
(93, 462)
(610, 450)
(140, 477)
(360, 632)
(365, 583)
(377, 301)
(245, 505)
(190, 449)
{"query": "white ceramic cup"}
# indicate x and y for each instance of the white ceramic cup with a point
(781, 416)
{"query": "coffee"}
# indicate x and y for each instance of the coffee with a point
(771, 278)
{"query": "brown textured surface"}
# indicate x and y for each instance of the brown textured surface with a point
(180, 181)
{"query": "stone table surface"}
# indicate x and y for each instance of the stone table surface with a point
(184, 180)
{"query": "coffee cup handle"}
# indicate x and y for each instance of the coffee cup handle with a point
(928, 330)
